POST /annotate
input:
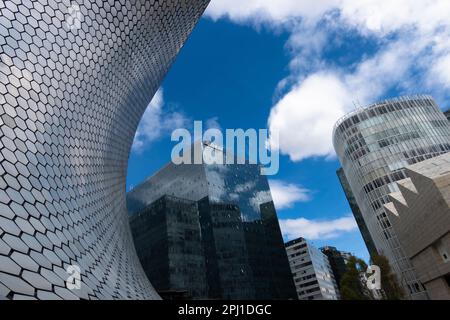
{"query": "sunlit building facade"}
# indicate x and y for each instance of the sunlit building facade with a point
(313, 275)
(420, 215)
(374, 146)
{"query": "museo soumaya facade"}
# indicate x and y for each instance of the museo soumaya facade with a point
(210, 230)
(375, 145)
(75, 80)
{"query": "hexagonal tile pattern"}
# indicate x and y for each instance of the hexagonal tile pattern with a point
(71, 97)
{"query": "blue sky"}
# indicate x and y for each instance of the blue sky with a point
(296, 69)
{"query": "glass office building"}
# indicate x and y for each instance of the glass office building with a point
(374, 146)
(168, 241)
(239, 232)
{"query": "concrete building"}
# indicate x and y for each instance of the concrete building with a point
(167, 238)
(374, 145)
(420, 215)
(311, 270)
(227, 215)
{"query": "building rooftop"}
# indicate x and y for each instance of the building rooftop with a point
(360, 109)
(295, 241)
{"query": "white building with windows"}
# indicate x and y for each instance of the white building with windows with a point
(375, 145)
(311, 270)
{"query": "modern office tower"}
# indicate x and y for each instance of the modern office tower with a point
(338, 262)
(311, 270)
(75, 79)
(420, 215)
(238, 227)
(168, 241)
(370, 245)
(447, 114)
(374, 146)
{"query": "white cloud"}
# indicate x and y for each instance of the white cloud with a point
(371, 15)
(440, 72)
(280, 11)
(413, 56)
(304, 117)
(317, 229)
(216, 177)
(260, 198)
(245, 187)
(213, 123)
(285, 195)
(155, 123)
(394, 15)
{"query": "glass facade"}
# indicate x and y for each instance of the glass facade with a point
(374, 145)
(240, 235)
(168, 241)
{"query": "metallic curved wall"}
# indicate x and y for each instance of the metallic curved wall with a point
(70, 102)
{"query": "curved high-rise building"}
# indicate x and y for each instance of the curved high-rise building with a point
(75, 79)
(374, 145)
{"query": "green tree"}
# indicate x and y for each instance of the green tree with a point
(352, 286)
(392, 290)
